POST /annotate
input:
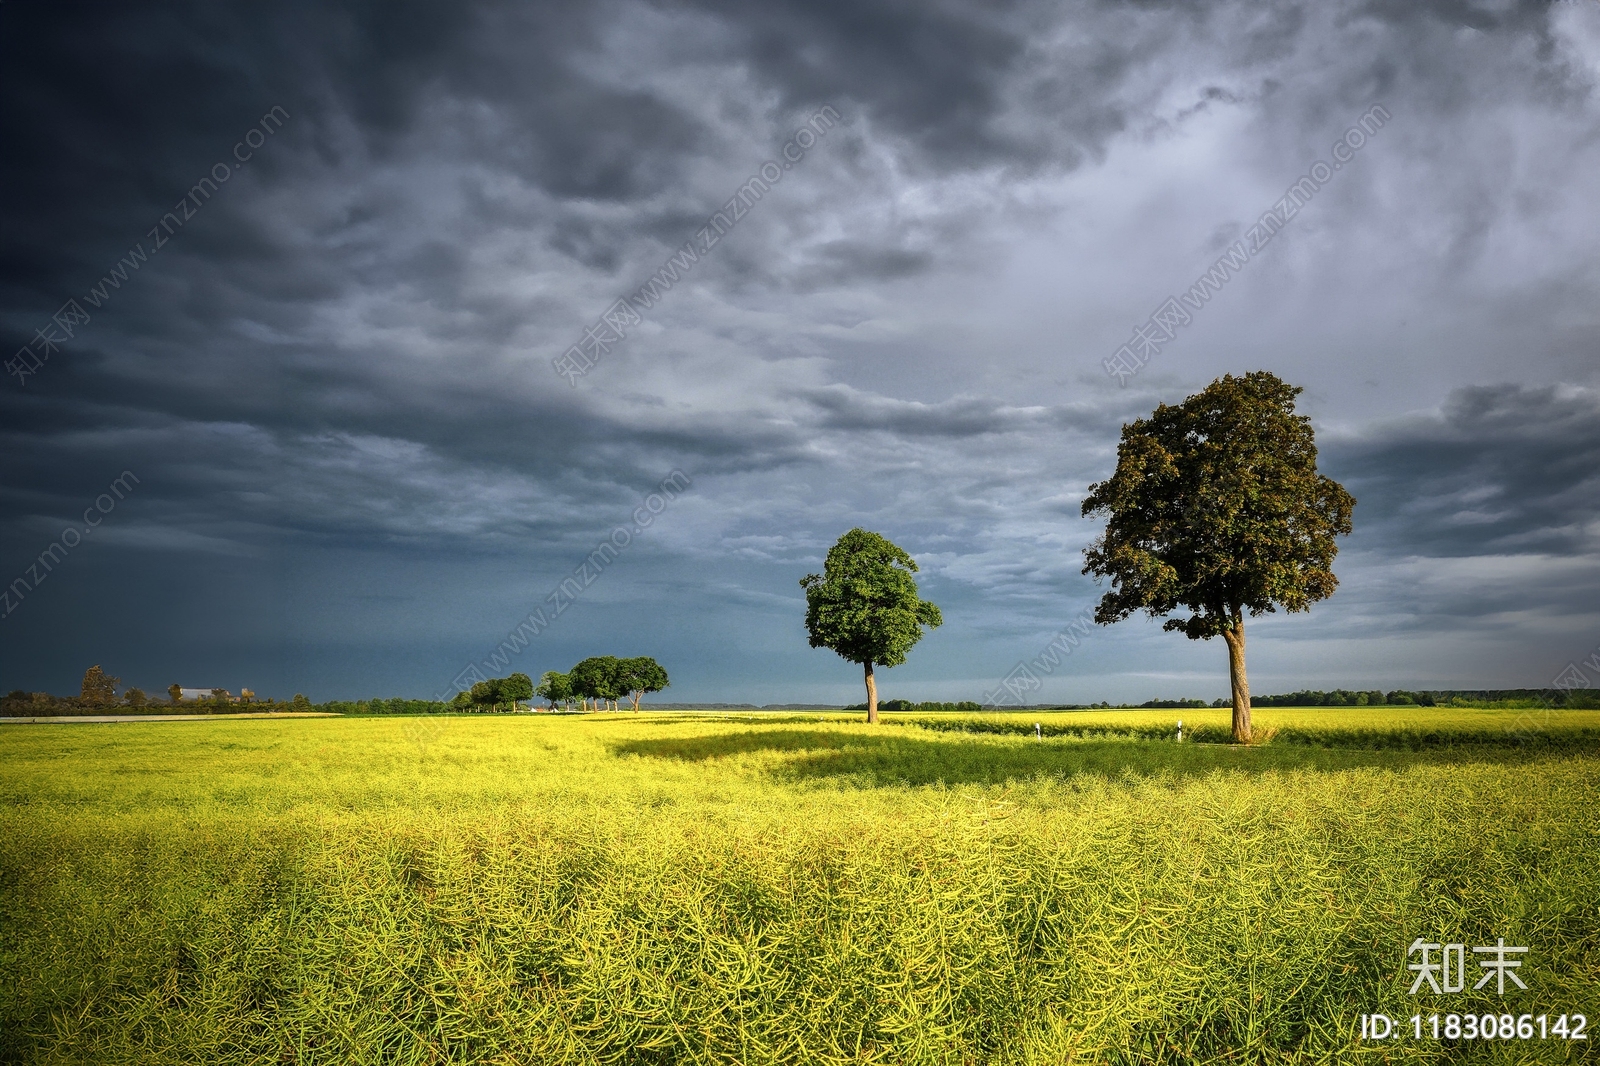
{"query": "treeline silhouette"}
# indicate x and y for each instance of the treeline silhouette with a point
(965, 707)
(601, 681)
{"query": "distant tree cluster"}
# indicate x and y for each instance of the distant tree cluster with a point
(1181, 704)
(964, 707)
(599, 682)
(596, 682)
(1339, 697)
(496, 692)
(395, 705)
(97, 694)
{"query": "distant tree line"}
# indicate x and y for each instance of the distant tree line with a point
(395, 705)
(98, 695)
(964, 707)
(1339, 697)
(1505, 698)
(600, 682)
(496, 692)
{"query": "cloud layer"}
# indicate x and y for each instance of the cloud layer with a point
(359, 469)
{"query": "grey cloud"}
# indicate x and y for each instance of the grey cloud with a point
(348, 350)
(1504, 469)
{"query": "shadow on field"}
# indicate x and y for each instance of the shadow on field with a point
(898, 759)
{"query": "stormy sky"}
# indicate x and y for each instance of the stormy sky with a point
(355, 241)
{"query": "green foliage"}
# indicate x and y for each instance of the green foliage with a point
(599, 677)
(640, 675)
(1216, 506)
(518, 686)
(1315, 698)
(864, 605)
(497, 691)
(776, 889)
(555, 688)
(393, 705)
(300, 702)
(934, 707)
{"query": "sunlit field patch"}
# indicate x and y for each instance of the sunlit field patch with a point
(786, 887)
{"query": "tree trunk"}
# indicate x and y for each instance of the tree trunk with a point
(1241, 684)
(872, 695)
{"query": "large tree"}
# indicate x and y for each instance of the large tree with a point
(641, 674)
(864, 605)
(1216, 507)
(99, 688)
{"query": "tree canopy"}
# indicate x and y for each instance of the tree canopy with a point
(639, 675)
(865, 605)
(555, 688)
(1216, 507)
(598, 678)
(99, 688)
(518, 686)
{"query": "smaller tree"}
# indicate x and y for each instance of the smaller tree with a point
(175, 693)
(554, 688)
(135, 697)
(99, 689)
(486, 693)
(300, 702)
(640, 675)
(864, 605)
(518, 686)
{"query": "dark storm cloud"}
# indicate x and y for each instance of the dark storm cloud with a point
(1499, 470)
(931, 73)
(348, 348)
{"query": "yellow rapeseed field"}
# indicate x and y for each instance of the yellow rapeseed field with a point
(787, 888)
